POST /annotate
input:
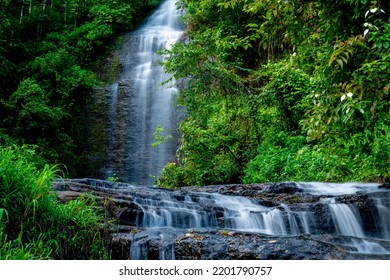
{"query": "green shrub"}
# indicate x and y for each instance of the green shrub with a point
(172, 176)
(33, 224)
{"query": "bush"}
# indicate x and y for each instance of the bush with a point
(172, 176)
(33, 224)
(362, 157)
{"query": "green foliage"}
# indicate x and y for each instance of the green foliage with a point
(18, 250)
(113, 179)
(282, 90)
(172, 176)
(33, 225)
(77, 231)
(44, 88)
(23, 189)
(118, 14)
(292, 159)
(160, 136)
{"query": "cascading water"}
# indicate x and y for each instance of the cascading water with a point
(140, 106)
(348, 223)
(162, 211)
(347, 219)
(229, 212)
(174, 211)
(335, 221)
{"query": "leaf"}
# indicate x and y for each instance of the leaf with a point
(366, 32)
(386, 45)
(2, 212)
(374, 10)
(339, 61)
(372, 109)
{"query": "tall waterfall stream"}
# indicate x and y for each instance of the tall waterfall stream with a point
(259, 221)
(139, 105)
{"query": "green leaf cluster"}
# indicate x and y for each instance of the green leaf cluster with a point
(33, 224)
(282, 90)
(50, 59)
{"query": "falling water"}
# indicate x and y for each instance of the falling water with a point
(140, 106)
(167, 210)
(355, 222)
(347, 219)
(230, 212)
(166, 214)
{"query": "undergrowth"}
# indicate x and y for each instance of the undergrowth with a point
(34, 224)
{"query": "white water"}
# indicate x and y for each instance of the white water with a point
(347, 219)
(170, 212)
(204, 210)
(384, 217)
(349, 223)
(140, 104)
(320, 188)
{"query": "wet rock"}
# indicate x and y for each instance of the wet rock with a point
(120, 247)
(287, 187)
(271, 221)
(322, 218)
(385, 185)
(67, 195)
(214, 246)
(153, 244)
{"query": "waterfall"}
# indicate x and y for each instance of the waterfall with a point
(139, 105)
(296, 218)
(349, 223)
(202, 210)
(347, 219)
(177, 211)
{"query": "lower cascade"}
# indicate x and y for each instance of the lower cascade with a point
(258, 221)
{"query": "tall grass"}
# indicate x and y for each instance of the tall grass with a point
(33, 224)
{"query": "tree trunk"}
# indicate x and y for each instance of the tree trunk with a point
(21, 14)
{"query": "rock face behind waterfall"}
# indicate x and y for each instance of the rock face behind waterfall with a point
(258, 221)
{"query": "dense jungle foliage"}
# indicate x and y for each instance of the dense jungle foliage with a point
(279, 90)
(274, 90)
(51, 55)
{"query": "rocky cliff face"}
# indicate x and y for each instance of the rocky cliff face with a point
(258, 221)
